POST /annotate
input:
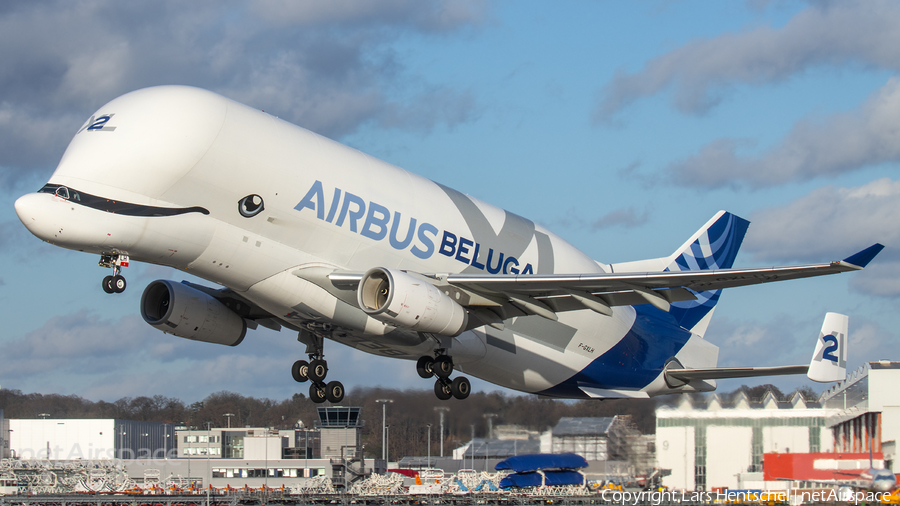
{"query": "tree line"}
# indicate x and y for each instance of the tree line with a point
(408, 414)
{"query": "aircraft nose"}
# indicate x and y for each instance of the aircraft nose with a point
(33, 213)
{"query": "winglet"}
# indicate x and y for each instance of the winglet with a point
(865, 256)
(829, 361)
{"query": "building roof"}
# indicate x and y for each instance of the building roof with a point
(741, 402)
(583, 426)
(501, 448)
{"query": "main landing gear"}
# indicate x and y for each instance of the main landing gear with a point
(315, 370)
(116, 282)
(442, 366)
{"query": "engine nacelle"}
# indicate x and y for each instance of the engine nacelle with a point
(401, 300)
(178, 309)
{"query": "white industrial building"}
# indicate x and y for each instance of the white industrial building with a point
(89, 439)
(721, 443)
(865, 409)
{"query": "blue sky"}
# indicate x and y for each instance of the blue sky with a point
(622, 126)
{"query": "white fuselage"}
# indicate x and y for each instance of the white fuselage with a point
(324, 206)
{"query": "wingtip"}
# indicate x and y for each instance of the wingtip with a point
(865, 256)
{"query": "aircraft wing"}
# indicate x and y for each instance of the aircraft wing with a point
(545, 295)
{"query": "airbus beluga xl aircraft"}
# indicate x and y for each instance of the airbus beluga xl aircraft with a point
(308, 235)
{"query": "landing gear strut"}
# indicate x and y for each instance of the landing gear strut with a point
(315, 370)
(116, 282)
(442, 366)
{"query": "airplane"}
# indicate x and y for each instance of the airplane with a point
(306, 234)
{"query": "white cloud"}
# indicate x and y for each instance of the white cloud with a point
(627, 217)
(813, 148)
(701, 71)
(322, 65)
(427, 15)
(831, 223)
(748, 344)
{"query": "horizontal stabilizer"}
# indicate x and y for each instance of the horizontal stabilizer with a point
(829, 361)
(686, 375)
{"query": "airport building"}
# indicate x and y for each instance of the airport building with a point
(865, 409)
(222, 457)
(89, 439)
(725, 443)
(721, 443)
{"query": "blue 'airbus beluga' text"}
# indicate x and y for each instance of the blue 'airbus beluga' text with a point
(420, 237)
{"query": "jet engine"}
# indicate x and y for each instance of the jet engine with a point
(399, 299)
(178, 309)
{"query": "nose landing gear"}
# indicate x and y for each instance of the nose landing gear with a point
(442, 366)
(115, 283)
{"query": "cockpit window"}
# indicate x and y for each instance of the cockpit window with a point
(61, 192)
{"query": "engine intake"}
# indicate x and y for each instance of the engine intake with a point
(178, 309)
(402, 300)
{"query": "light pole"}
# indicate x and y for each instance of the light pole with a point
(441, 410)
(208, 464)
(387, 433)
(429, 446)
(490, 419)
(473, 446)
(384, 403)
(229, 415)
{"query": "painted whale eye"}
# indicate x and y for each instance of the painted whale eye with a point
(250, 206)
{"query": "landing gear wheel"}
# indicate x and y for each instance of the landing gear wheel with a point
(443, 366)
(300, 371)
(334, 392)
(460, 387)
(317, 392)
(108, 285)
(317, 370)
(442, 389)
(425, 367)
(118, 283)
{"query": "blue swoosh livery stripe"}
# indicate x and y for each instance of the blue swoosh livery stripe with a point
(635, 361)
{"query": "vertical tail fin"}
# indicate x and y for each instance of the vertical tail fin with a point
(829, 361)
(714, 246)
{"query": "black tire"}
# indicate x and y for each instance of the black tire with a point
(300, 371)
(118, 284)
(334, 392)
(460, 387)
(443, 366)
(107, 284)
(318, 369)
(425, 367)
(442, 389)
(317, 393)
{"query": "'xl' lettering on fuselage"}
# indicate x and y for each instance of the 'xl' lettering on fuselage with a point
(378, 224)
